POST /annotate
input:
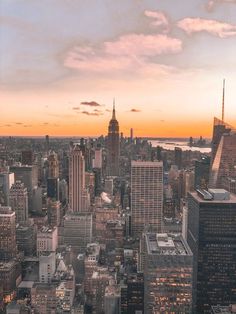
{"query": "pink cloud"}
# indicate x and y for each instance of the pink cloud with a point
(95, 63)
(159, 19)
(212, 3)
(143, 45)
(214, 27)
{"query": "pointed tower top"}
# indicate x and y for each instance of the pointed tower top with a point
(114, 110)
(223, 101)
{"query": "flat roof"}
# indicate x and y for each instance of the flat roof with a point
(232, 199)
(166, 244)
(26, 284)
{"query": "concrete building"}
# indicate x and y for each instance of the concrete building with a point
(44, 300)
(97, 161)
(146, 196)
(211, 237)
(168, 266)
(19, 201)
(47, 240)
(47, 266)
(77, 230)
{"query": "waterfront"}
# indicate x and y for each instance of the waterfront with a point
(171, 144)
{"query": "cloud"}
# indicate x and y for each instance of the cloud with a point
(143, 45)
(126, 53)
(90, 103)
(160, 20)
(18, 123)
(27, 126)
(76, 108)
(210, 6)
(135, 110)
(92, 113)
(93, 62)
(213, 27)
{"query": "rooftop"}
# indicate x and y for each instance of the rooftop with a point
(45, 229)
(214, 196)
(166, 244)
(218, 309)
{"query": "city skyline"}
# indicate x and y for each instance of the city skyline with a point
(164, 65)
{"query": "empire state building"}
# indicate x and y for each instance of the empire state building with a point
(113, 146)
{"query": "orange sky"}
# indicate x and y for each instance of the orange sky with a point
(164, 65)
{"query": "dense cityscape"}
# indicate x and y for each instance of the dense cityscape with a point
(116, 225)
(117, 157)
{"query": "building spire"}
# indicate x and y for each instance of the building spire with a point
(114, 110)
(223, 102)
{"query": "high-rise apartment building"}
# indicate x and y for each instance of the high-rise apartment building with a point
(211, 237)
(113, 146)
(19, 201)
(146, 196)
(7, 233)
(76, 179)
(168, 266)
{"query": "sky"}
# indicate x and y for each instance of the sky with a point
(62, 62)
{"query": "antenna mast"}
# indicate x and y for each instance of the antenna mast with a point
(223, 102)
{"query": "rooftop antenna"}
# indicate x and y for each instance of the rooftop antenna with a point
(223, 102)
(114, 110)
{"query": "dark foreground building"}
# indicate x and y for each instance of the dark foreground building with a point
(211, 235)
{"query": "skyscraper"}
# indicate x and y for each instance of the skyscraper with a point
(168, 266)
(202, 168)
(7, 233)
(19, 201)
(113, 146)
(224, 164)
(146, 196)
(76, 179)
(211, 237)
(178, 157)
(53, 166)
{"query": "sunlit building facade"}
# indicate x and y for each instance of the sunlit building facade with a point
(146, 196)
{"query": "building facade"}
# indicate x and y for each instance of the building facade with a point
(146, 196)
(211, 237)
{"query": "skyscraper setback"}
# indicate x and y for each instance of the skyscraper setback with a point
(113, 146)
